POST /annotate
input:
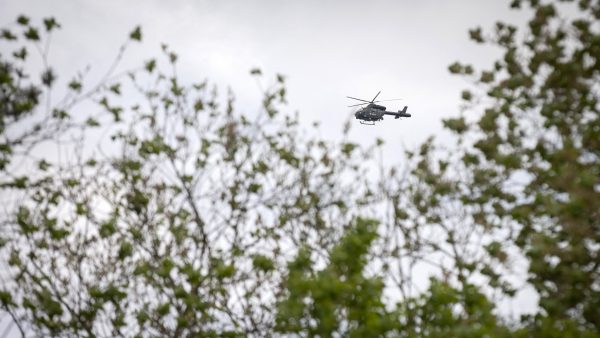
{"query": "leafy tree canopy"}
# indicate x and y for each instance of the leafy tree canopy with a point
(170, 213)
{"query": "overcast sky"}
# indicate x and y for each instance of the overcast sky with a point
(327, 50)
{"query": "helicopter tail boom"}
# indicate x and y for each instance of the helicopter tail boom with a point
(400, 113)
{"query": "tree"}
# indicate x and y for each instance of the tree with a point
(531, 162)
(195, 219)
(183, 223)
(339, 299)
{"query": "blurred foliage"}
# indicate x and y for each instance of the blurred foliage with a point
(534, 164)
(338, 299)
(169, 212)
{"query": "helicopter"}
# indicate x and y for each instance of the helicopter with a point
(373, 112)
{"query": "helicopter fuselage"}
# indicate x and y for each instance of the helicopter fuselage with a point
(372, 112)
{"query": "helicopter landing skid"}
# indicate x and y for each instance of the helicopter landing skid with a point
(367, 123)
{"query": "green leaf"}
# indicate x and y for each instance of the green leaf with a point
(116, 88)
(50, 306)
(21, 54)
(348, 148)
(198, 105)
(163, 309)
(225, 270)
(475, 35)
(50, 24)
(166, 265)
(455, 68)
(43, 165)
(487, 77)
(6, 299)
(466, 95)
(60, 114)
(254, 187)
(75, 85)
(23, 20)
(136, 34)
(48, 77)
(108, 228)
(21, 182)
(457, 125)
(263, 263)
(8, 35)
(142, 317)
(32, 34)
(125, 250)
(15, 259)
(92, 122)
(150, 65)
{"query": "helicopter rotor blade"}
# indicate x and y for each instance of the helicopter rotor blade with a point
(376, 96)
(360, 104)
(350, 97)
(387, 100)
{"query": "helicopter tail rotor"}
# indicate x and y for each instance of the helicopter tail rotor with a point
(402, 113)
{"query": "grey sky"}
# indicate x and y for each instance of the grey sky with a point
(327, 49)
